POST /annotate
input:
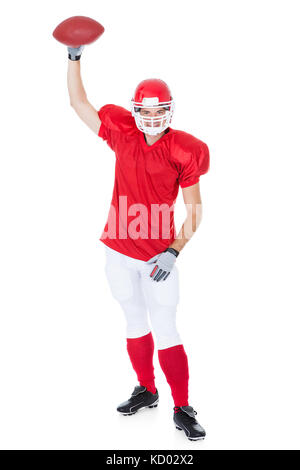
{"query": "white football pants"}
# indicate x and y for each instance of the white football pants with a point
(138, 294)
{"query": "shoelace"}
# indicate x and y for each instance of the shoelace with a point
(177, 408)
(135, 390)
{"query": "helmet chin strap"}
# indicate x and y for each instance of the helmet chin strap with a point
(152, 135)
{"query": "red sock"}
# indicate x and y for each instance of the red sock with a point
(140, 352)
(174, 364)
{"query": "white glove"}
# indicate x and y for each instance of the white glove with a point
(163, 264)
(74, 53)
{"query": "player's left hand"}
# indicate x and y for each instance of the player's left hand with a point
(163, 264)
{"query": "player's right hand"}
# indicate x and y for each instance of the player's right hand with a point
(74, 53)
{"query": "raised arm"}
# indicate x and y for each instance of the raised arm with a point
(78, 98)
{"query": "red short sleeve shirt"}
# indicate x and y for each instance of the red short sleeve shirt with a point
(140, 222)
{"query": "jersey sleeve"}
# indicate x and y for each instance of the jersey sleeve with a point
(115, 123)
(195, 163)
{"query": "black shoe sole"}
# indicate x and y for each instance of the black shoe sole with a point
(200, 438)
(154, 405)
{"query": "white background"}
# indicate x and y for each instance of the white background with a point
(233, 68)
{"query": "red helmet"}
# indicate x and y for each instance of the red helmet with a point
(152, 93)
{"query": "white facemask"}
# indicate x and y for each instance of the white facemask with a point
(152, 125)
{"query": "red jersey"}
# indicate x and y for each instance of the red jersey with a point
(140, 223)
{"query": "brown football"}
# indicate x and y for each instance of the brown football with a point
(77, 31)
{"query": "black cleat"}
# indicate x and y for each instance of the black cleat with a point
(140, 398)
(184, 420)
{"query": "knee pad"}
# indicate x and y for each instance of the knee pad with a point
(163, 321)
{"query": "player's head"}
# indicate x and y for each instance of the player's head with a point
(152, 106)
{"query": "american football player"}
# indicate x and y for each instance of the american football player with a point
(152, 160)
